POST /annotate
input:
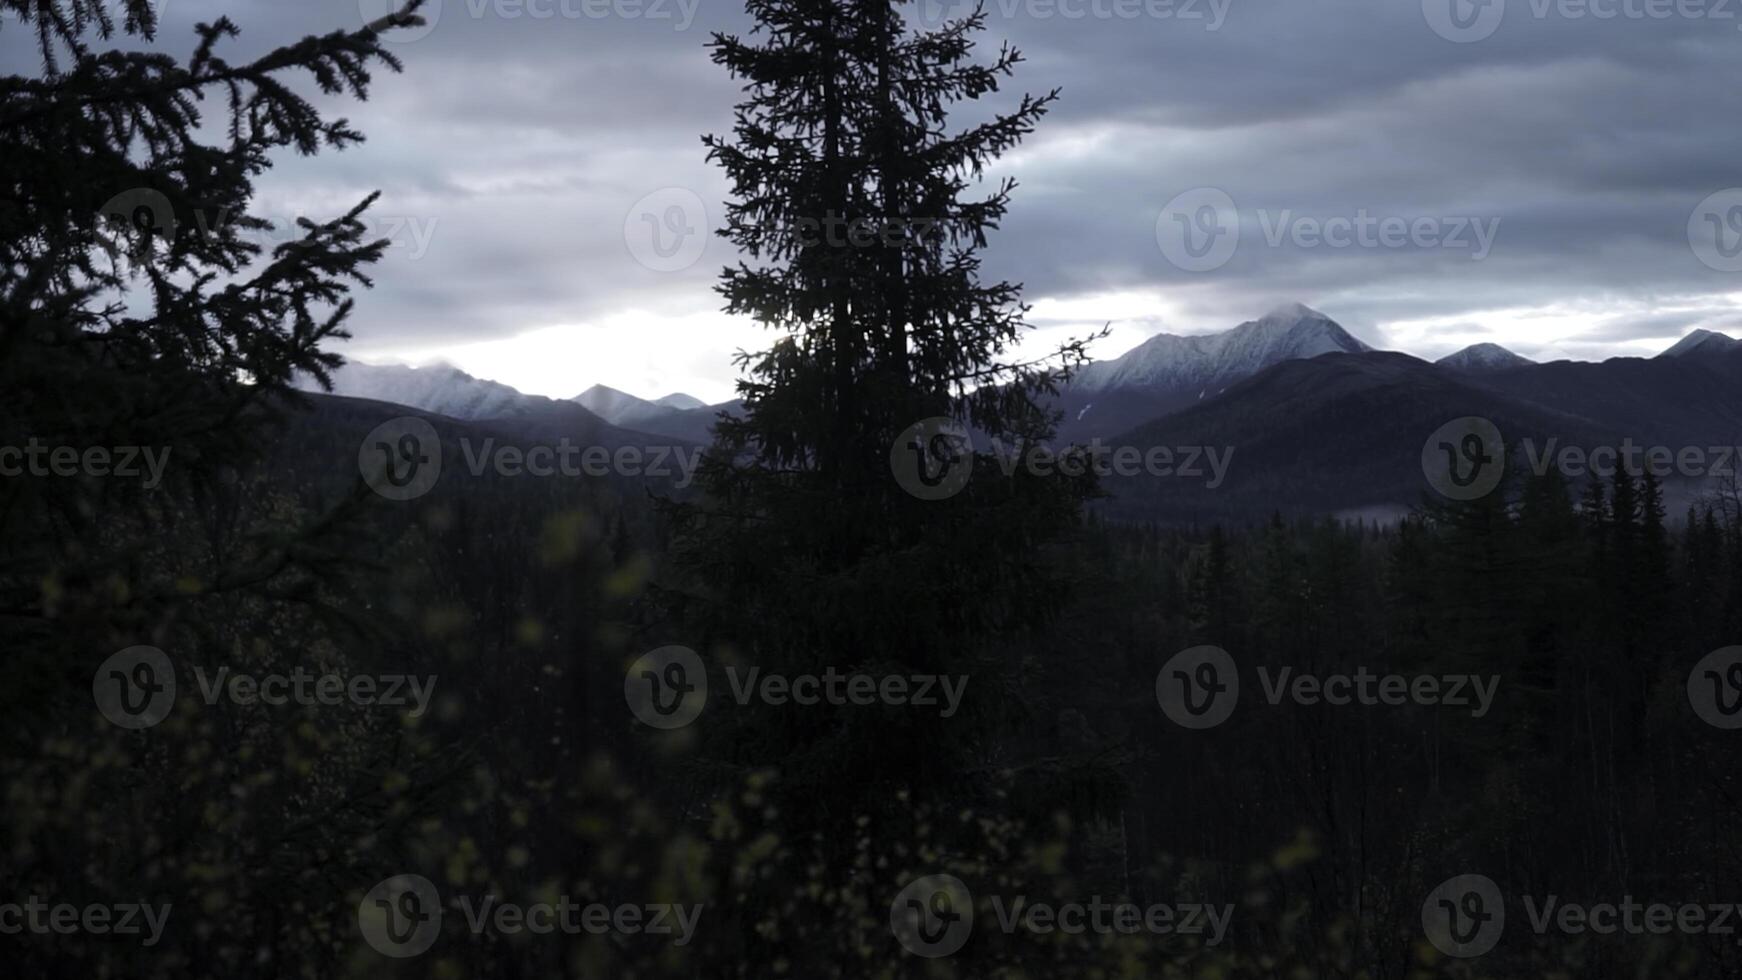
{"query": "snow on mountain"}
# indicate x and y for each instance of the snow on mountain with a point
(439, 388)
(1478, 358)
(609, 403)
(1703, 341)
(681, 401)
(1210, 362)
(446, 390)
(622, 408)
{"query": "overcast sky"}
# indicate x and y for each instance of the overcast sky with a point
(1538, 173)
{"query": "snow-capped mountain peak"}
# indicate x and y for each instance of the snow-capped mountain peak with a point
(1213, 361)
(1483, 357)
(607, 402)
(622, 408)
(1703, 341)
(440, 388)
(1289, 313)
(681, 401)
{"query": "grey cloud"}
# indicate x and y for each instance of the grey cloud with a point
(527, 140)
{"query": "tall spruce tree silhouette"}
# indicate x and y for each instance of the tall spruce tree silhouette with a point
(138, 306)
(140, 312)
(861, 215)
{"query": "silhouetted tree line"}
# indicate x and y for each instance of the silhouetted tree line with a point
(1591, 777)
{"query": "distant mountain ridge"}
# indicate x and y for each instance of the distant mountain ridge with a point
(1168, 372)
(1478, 358)
(1704, 342)
(1210, 362)
(1315, 419)
(446, 390)
(1343, 433)
(439, 388)
(622, 408)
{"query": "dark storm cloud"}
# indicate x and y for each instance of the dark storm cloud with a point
(522, 134)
